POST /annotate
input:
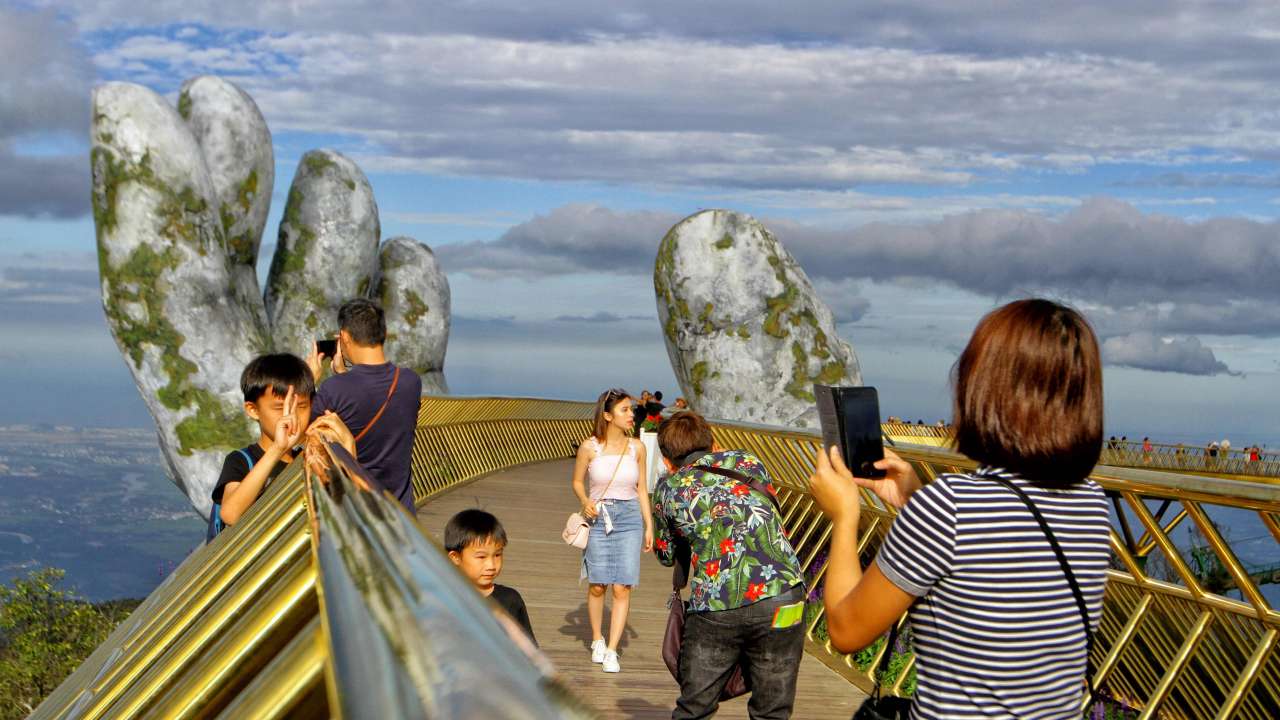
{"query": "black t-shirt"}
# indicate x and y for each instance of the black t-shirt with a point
(511, 601)
(653, 407)
(235, 468)
(387, 450)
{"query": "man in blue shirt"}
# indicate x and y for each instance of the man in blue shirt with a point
(376, 400)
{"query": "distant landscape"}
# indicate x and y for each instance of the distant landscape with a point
(95, 502)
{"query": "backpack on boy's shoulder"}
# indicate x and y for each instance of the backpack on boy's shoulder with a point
(215, 518)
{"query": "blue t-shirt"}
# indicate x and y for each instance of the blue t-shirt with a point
(386, 452)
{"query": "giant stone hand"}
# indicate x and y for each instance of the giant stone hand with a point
(180, 200)
(747, 334)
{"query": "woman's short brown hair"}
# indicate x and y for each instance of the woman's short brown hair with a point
(1028, 393)
(607, 401)
(684, 433)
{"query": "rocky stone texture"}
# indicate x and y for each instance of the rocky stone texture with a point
(236, 144)
(327, 251)
(414, 293)
(180, 199)
(165, 272)
(745, 330)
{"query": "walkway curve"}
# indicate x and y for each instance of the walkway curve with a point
(532, 502)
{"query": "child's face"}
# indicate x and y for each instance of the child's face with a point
(481, 562)
(269, 408)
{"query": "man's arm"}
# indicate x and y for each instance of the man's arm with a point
(664, 545)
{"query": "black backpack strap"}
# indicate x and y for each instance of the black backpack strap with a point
(1066, 570)
(745, 479)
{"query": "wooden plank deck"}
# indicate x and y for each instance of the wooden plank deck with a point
(532, 503)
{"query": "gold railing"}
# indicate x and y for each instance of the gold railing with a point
(323, 601)
(1173, 641)
(245, 627)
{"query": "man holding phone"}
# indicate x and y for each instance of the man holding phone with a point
(376, 400)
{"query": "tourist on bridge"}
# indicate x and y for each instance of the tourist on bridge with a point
(375, 399)
(1028, 524)
(716, 512)
(609, 480)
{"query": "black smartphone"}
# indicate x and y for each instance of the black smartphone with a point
(850, 418)
(327, 348)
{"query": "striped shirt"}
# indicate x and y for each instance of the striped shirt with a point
(997, 632)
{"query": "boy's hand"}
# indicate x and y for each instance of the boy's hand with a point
(315, 362)
(316, 458)
(288, 428)
(330, 427)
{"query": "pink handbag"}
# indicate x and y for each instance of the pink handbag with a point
(577, 530)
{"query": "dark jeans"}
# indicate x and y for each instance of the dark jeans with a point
(715, 641)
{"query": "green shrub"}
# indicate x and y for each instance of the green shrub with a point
(45, 633)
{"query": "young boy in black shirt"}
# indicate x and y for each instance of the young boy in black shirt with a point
(475, 540)
(277, 394)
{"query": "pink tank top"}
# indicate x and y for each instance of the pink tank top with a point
(601, 468)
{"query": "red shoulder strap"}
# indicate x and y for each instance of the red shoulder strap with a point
(395, 379)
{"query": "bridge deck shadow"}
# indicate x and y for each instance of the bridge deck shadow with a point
(532, 503)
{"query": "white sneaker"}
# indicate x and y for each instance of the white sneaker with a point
(611, 662)
(598, 650)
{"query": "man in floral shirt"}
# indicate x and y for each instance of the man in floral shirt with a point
(747, 596)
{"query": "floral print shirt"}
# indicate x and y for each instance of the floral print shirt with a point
(740, 553)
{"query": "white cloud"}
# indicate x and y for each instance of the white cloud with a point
(1148, 351)
(675, 110)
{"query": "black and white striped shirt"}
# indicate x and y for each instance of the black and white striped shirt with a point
(997, 632)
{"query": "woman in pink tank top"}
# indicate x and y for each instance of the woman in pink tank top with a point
(608, 478)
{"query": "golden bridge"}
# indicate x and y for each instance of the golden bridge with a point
(330, 601)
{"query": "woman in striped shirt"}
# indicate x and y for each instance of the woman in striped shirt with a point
(997, 630)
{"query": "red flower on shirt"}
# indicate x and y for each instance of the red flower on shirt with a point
(741, 489)
(713, 568)
(754, 591)
(661, 544)
(726, 546)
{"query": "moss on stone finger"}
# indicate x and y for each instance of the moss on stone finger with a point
(416, 307)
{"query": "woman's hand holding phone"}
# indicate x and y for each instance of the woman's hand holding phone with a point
(897, 485)
(835, 488)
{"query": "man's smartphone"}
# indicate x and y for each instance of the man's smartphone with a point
(327, 347)
(850, 418)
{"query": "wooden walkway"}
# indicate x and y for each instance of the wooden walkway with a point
(532, 503)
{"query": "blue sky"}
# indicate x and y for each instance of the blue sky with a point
(923, 164)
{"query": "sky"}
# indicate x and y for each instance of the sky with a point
(924, 163)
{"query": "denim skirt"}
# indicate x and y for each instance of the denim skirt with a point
(614, 559)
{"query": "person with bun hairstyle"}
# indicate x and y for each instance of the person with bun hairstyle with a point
(609, 481)
(996, 619)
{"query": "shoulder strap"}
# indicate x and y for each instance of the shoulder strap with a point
(395, 379)
(745, 479)
(247, 457)
(886, 658)
(1066, 570)
(621, 456)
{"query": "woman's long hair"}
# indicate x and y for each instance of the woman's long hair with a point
(607, 401)
(1028, 393)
